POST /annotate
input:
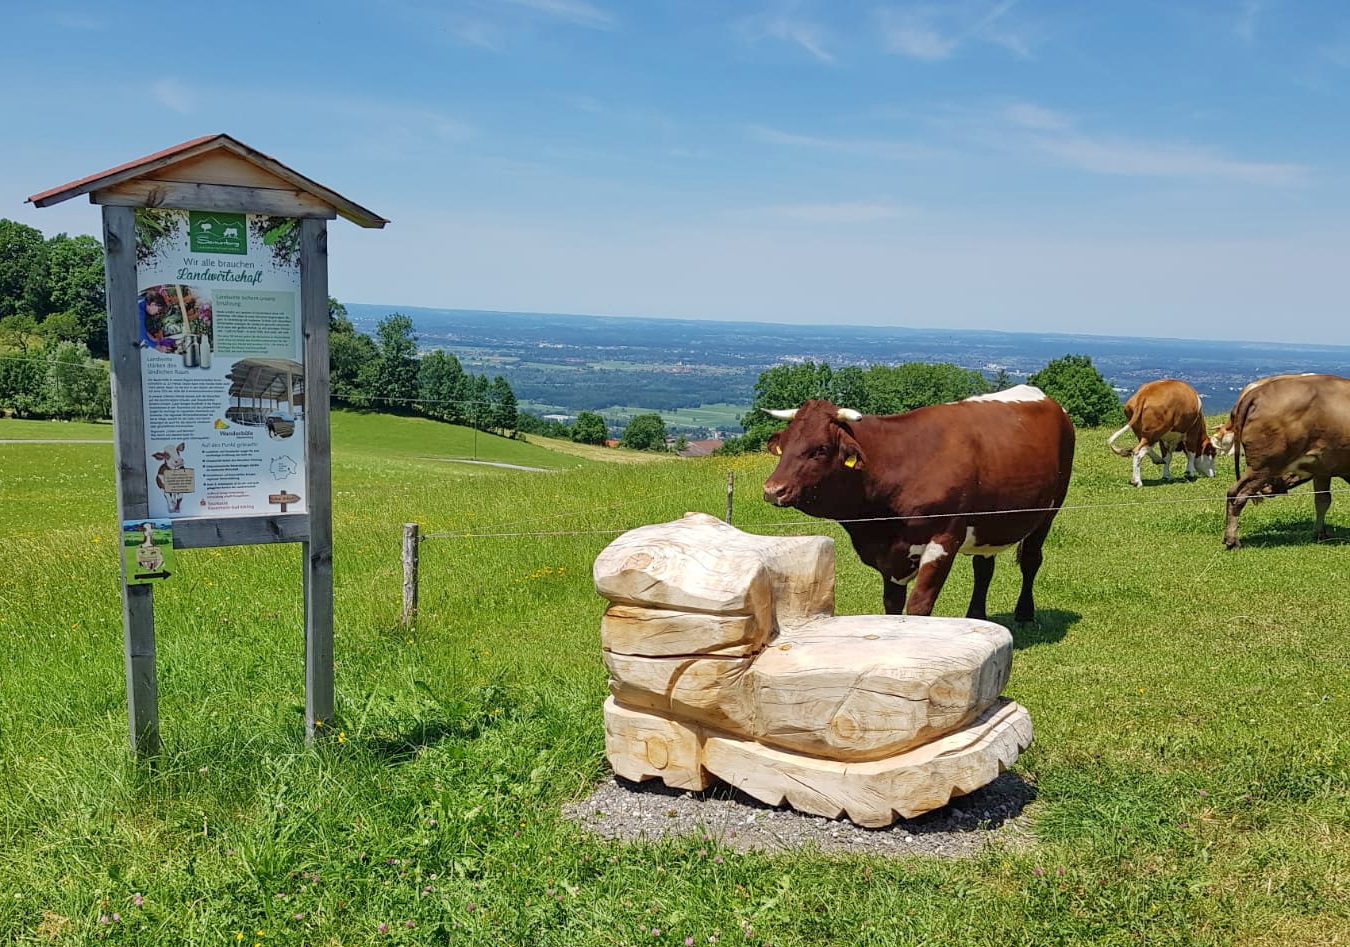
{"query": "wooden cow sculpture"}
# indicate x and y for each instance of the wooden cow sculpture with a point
(1166, 414)
(913, 490)
(1293, 428)
(726, 662)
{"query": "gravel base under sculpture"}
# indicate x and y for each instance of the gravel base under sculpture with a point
(623, 810)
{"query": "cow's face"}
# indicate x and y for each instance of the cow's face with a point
(1222, 439)
(1204, 461)
(171, 457)
(814, 449)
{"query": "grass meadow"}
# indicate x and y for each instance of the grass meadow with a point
(1191, 708)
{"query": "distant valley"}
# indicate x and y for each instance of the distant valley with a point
(701, 374)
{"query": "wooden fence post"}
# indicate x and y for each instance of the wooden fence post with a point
(731, 490)
(410, 543)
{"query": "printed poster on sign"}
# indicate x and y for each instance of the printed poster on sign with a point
(222, 353)
(147, 550)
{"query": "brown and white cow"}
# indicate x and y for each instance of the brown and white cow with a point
(1293, 428)
(170, 458)
(1166, 414)
(913, 490)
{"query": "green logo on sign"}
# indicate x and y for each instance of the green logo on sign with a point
(217, 233)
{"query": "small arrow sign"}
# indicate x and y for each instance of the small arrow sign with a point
(162, 574)
(283, 499)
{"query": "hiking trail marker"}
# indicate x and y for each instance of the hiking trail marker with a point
(216, 265)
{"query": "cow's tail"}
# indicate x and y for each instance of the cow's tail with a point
(1237, 420)
(1111, 443)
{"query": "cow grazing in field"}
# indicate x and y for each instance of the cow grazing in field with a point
(1293, 428)
(1223, 436)
(170, 458)
(913, 490)
(1166, 414)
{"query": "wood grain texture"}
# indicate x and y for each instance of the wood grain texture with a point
(644, 746)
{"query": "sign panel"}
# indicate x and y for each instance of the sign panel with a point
(147, 550)
(222, 353)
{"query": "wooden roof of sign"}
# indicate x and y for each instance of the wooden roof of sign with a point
(215, 172)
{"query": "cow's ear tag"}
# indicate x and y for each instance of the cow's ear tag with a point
(775, 449)
(851, 461)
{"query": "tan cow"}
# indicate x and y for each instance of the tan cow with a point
(1223, 434)
(1294, 428)
(1166, 414)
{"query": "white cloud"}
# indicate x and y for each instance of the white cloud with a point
(172, 93)
(1248, 15)
(891, 150)
(1151, 159)
(934, 32)
(577, 12)
(809, 36)
(1026, 115)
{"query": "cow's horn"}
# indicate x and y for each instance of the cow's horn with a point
(848, 414)
(783, 414)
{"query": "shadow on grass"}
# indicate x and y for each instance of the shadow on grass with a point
(1050, 626)
(1289, 534)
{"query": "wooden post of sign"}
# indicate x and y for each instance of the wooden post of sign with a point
(731, 491)
(318, 551)
(133, 498)
(410, 543)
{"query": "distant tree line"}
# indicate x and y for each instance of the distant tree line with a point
(53, 333)
(385, 373)
(893, 389)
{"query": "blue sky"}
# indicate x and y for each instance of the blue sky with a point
(1123, 167)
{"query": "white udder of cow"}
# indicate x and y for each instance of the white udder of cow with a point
(972, 546)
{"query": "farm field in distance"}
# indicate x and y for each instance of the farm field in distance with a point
(1189, 783)
(562, 364)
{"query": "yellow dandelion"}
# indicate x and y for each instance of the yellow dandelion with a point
(342, 736)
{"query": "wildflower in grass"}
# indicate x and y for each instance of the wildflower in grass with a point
(689, 942)
(1204, 792)
(103, 919)
(137, 899)
(717, 860)
(409, 924)
(342, 736)
(656, 932)
(299, 916)
(382, 927)
(1038, 871)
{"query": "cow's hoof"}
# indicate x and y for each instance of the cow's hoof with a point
(1232, 544)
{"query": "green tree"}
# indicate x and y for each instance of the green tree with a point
(17, 332)
(1001, 381)
(644, 432)
(440, 384)
(503, 411)
(23, 385)
(75, 287)
(77, 386)
(348, 352)
(477, 394)
(1080, 389)
(23, 270)
(590, 428)
(391, 380)
(894, 389)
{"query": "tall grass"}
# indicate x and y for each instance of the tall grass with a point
(1190, 706)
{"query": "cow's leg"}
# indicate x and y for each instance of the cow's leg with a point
(1167, 461)
(1139, 453)
(1190, 464)
(1321, 503)
(893, 595)
(934, 566)
(984, 574)
(1248, 485)
(1029, 558)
